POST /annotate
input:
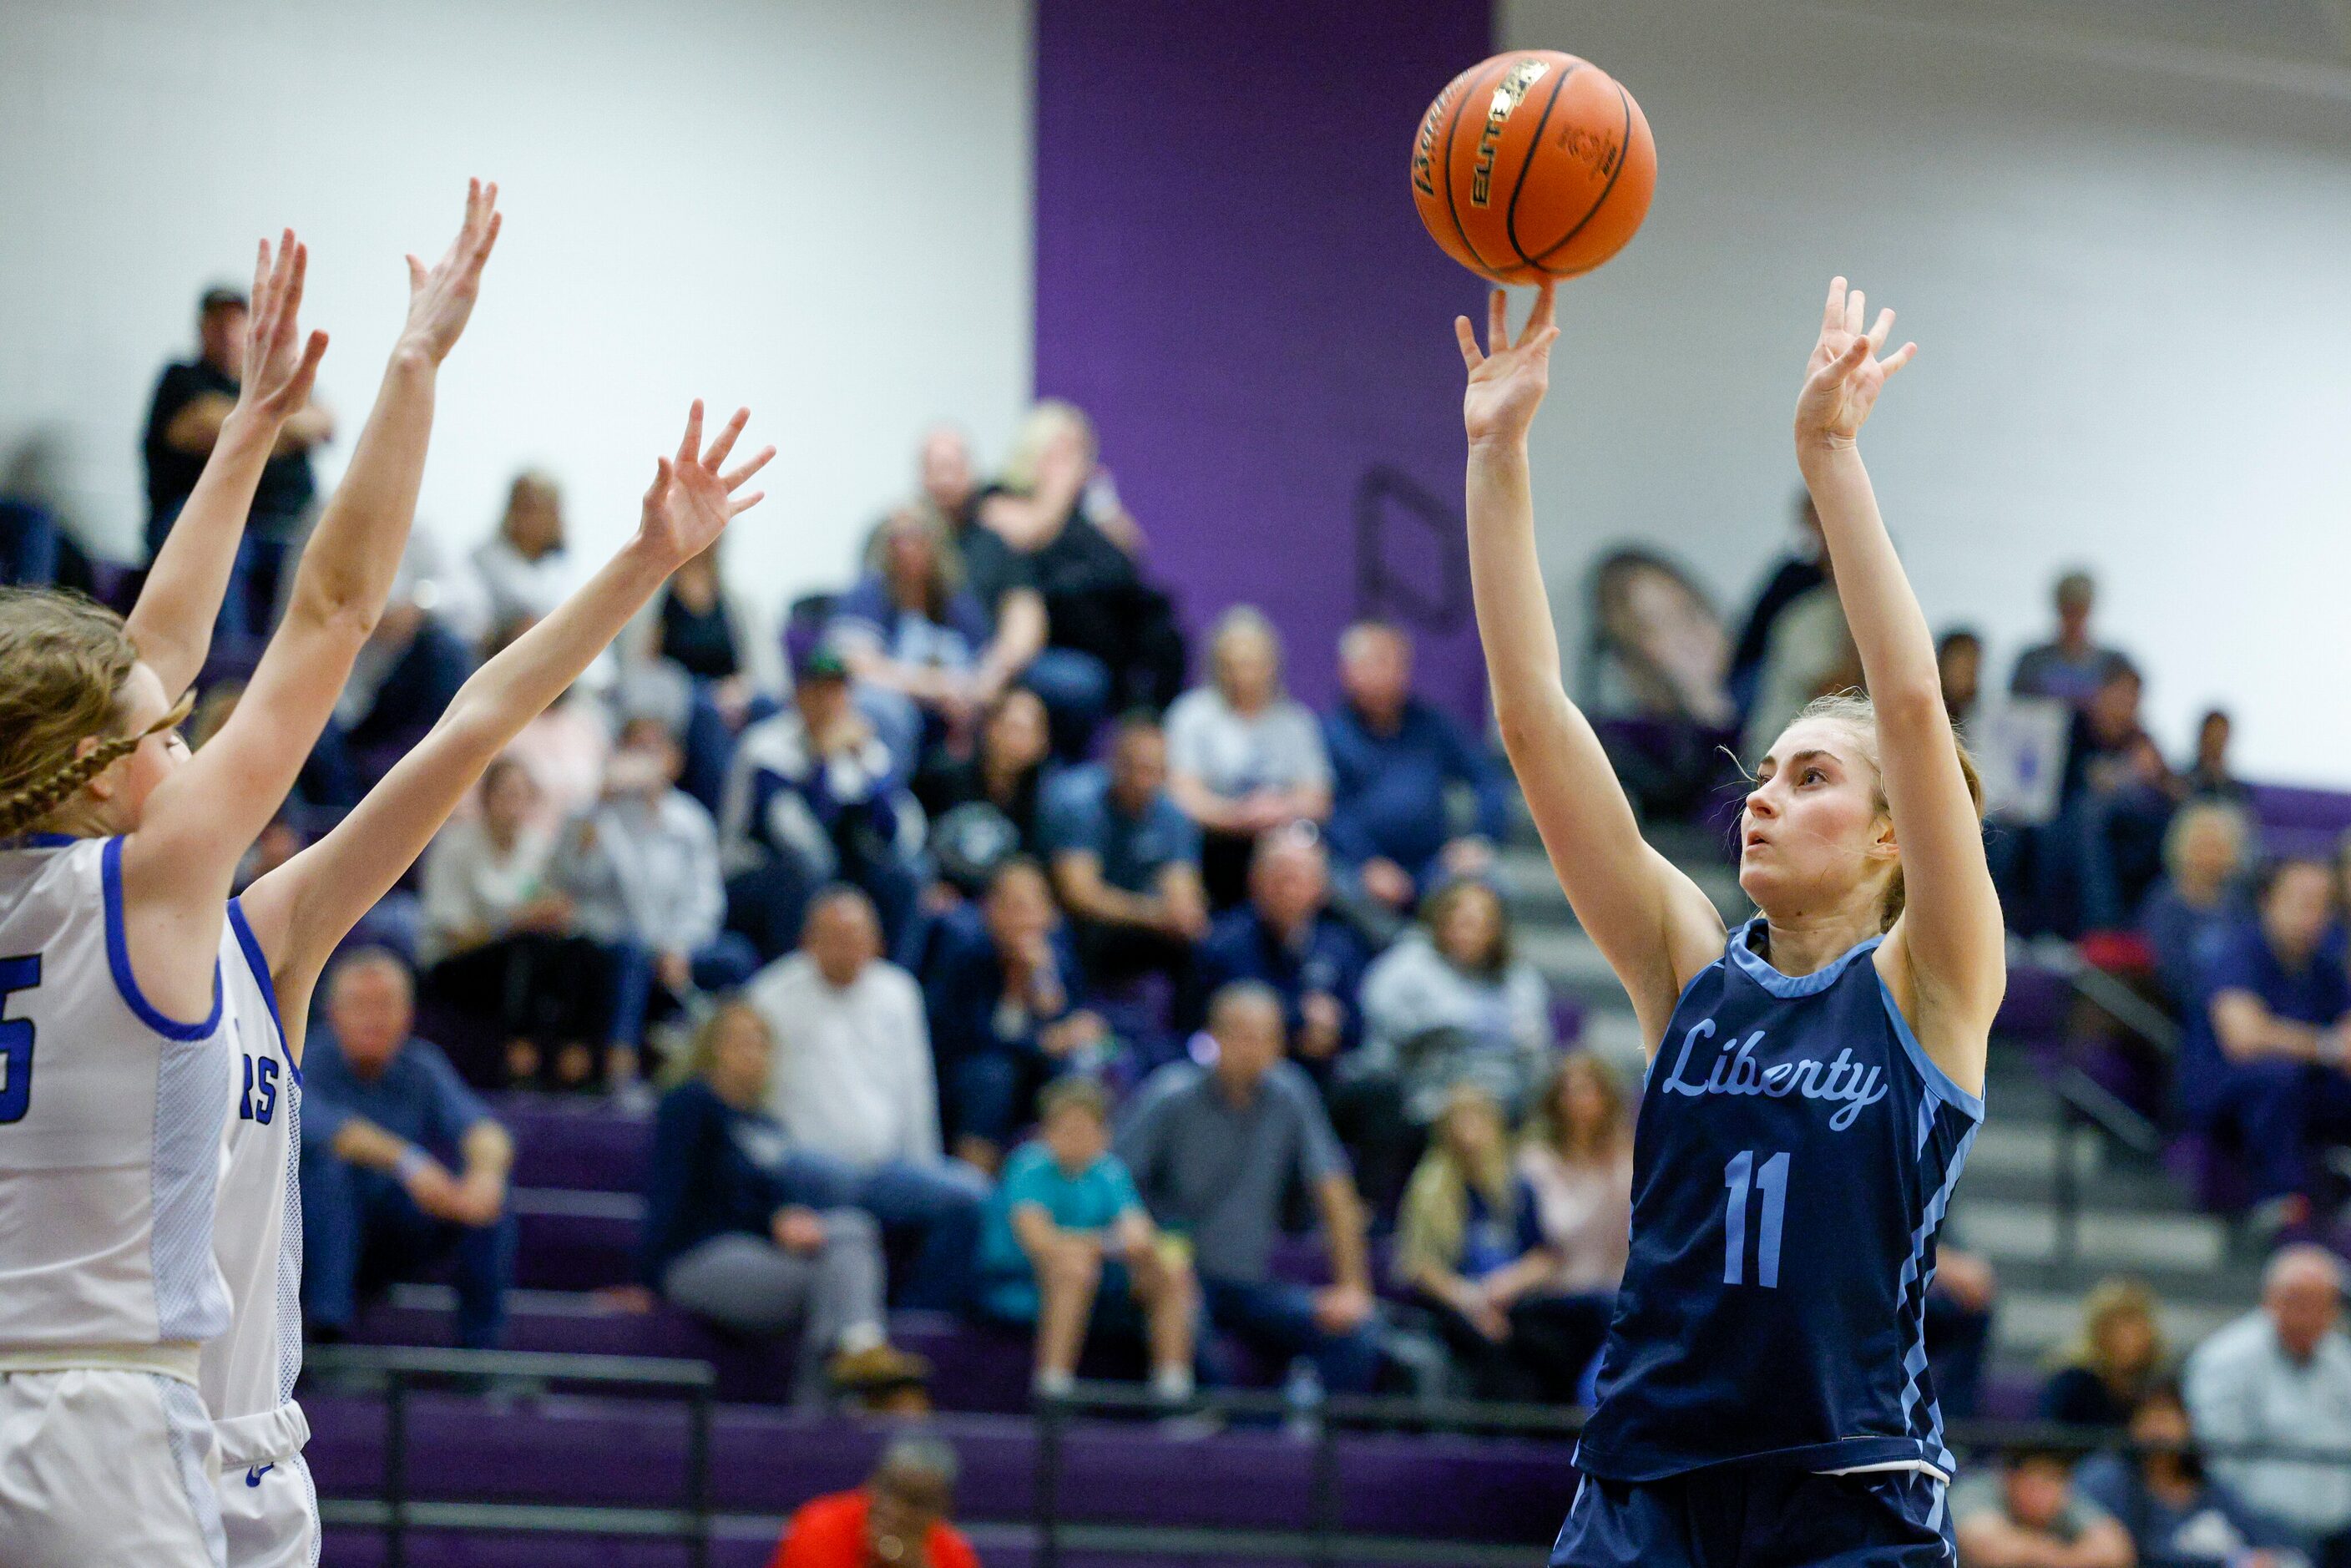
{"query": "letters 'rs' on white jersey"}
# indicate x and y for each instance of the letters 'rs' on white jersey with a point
(110, 1118)
(249, 1372)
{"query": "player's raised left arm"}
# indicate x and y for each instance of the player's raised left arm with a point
(301, 910)
(1950, 935)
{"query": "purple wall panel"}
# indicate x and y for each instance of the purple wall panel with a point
(1230, 279)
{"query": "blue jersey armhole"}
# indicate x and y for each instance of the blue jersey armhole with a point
(1939, 1084)
(250, 945)
(118, 958)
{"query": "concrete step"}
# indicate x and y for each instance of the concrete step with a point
(2106, 1240)
(2030, 1323)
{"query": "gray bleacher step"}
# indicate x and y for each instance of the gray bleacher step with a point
(2106, 1239)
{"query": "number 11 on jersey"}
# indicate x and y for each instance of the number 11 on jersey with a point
(1771, 1181)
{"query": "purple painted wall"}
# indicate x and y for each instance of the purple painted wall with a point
(1231, 280)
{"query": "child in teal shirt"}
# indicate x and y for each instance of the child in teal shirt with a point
(1067, 1245)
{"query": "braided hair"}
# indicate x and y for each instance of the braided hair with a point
(63, 662)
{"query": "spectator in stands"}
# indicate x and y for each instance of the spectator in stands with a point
(1450, 1004)
(1215, 1151)
(1070, 1249)
(1008, 1012)
(2262, 1066)
(1960, 1303)
(1287, 937)
(2113, 1359)
(898, 1519)
(813, 797)
(1126, 862)
(2070, 667)
(720, 656)
(1011, 769)
(2115, 801)
(1075, 685)
(191, 401)
(2282, 1375)
(913, 639)
(1057, 508)
(854, 1081)
(740, 1230)
(2209, 777)
(2176, 1515)
(1242, 756)
(524, 569)
(1392, 756)
(2030, 1516)
(564, 749)
(1470, 1246)
(1810, 655)
(1958, 665)
(1577, 1156)
(640, 870)
(402, 1168)
(1793, 575)
(498, 940)
(2200, 900)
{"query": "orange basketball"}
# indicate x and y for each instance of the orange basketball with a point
(1534, 165)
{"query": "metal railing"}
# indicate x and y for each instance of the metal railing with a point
(395, 1514)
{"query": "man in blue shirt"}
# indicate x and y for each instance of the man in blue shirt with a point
(1126, 862)
(2262, 1068)
(1286, 938)
(402, 1165)
(1392, 756)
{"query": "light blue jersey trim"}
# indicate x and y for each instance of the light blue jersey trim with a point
(1757, 968)
(1939, 1084)
(250, 945)
(117, 959)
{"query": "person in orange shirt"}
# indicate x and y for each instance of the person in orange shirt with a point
(899, 1517)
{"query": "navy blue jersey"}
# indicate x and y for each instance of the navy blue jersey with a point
(1792, 1160)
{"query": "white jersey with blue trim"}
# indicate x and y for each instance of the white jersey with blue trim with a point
(110, 1116)
(249, 1372)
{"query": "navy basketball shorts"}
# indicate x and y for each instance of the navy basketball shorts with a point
(1758, 1516)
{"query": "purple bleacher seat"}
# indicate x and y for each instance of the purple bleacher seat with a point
(589, 1146)
(2299, 821)
(615, 1452)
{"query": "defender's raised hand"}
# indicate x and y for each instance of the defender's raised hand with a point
(279, 363)
(1508, 380)
(1845, 375)
(441, 296)
(691, 502)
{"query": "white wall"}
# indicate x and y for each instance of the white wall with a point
(2129, 273)
(817, 209)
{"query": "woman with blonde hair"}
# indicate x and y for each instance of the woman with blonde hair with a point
(2115, 1357)
(1817, 1074)
(1469, 1246)
(742, 1231)
(1243, 756)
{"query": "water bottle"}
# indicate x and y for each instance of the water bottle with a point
(1302, 1395)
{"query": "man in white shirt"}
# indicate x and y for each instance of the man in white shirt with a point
(854, 1081)
(2282, 1375)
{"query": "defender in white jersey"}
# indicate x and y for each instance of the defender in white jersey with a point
(119, 850)
(111, 1117)
(269, 1510)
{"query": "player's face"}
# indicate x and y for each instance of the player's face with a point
(128, 782)
(1812, 831)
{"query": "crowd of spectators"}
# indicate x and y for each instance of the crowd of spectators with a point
(986, 967)
(2178, 1482)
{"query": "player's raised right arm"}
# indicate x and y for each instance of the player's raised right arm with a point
(199, 822)
(1654, 925)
